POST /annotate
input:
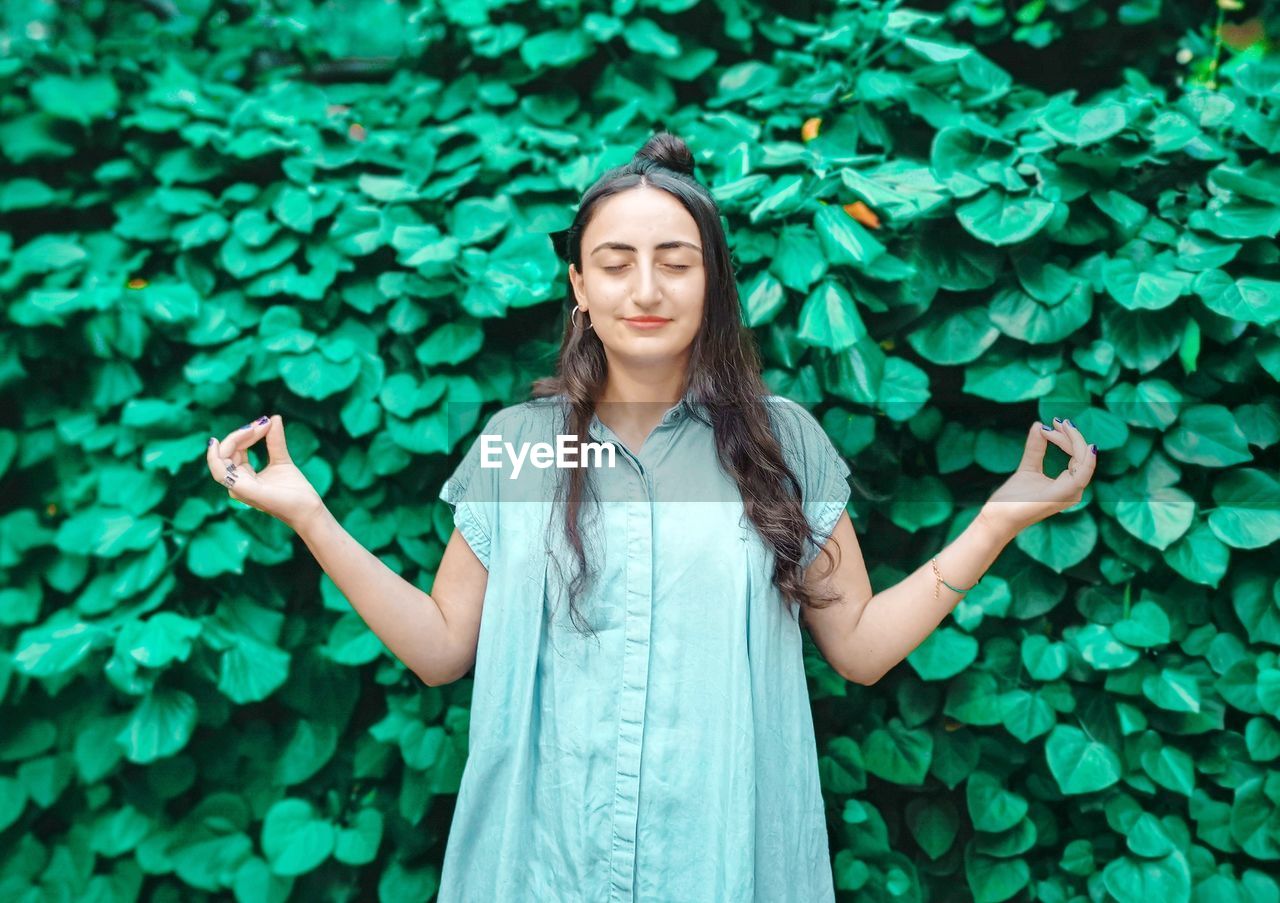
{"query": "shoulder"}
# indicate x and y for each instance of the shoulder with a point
(527, 418)
(793, 417)
(805, 443)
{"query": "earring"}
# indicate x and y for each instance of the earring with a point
(573, 317)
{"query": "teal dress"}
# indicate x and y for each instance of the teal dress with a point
(671, 757)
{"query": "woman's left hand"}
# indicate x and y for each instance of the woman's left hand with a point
(1029, 496)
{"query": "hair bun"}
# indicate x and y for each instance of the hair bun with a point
(670, 151)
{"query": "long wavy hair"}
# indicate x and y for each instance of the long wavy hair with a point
(723, 379)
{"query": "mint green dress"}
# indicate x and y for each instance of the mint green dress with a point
(672, 756)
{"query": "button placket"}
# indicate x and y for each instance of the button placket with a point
(638, 622)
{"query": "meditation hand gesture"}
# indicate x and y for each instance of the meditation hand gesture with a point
(280, 489)
(1029, 496)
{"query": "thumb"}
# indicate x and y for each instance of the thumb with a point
(1032, 454)
(277, 449)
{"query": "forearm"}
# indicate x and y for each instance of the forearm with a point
(898, 619)
(406, 619)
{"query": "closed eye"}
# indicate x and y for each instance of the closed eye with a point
(674, 266)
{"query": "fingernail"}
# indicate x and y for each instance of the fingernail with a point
(1093, 448)
(1045, 426)
(1057, 419)
(1072, 424)
(246, 426)
(263, 419)
(210, 442)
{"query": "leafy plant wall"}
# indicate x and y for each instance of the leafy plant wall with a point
(945, 223)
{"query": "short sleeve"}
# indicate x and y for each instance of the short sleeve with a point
(471, 491)
(821, 470)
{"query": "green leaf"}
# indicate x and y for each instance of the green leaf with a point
(1158, 516)
(957, 338)
(1248, 298)
(1199, 555)
(82, 100)
(358, 844)
(452, 343)
(1247, 515)
(1045, 660)
(799, 261)
(645, 36)
(160, 640)
(844, 239)
(107, 532)
(943, 654)
(934, 823)
(251, 671)
(1147, 625)
(160, 726)
(1132, 880)
(1060, 542)
(762, 299)
(1208, 435)
(474, 220)
(922, 502)
(994, 880)
(1081, 126)
(1079, 763)
(992, 807)
(555, 48)
(1174, 691)
(1000, 219)
(57, 646)
(294, 838)
(830, 319)
(1144, 286)
(898, 754)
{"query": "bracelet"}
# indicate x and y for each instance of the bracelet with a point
(955, 589)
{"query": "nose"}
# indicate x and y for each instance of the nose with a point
(646, 292)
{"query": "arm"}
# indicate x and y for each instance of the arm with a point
(434, 635)
(865, 635)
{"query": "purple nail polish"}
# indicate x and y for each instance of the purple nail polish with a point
(1057, 419)
(246, 426)
(263, 420)
(210, 442)
(1045, 426)
(1093, 448)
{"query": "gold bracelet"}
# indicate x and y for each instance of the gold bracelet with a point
(948, 585)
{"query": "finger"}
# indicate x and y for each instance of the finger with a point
(1085, 461)
(240, 439)
(1078, 446)
(1038, 439)
(277, 448)
(224, 470)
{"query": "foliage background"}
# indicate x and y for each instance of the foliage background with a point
(947, 222)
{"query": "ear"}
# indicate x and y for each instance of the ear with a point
(575, 279)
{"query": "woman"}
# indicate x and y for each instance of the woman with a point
(652, 738)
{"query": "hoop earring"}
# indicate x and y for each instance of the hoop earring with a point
(573, 319)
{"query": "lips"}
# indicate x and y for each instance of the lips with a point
(647, 320)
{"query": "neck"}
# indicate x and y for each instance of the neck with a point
(622, 386)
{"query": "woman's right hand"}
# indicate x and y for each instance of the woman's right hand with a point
(279, 489)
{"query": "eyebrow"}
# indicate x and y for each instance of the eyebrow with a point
(620, 246)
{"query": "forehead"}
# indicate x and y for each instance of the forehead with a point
(646, 215)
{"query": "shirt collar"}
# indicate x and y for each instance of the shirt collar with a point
(679, 411)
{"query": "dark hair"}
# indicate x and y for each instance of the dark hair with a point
(723, 376)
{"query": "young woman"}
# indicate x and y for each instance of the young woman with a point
(640, 722)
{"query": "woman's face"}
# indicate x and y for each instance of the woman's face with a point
(642, 257)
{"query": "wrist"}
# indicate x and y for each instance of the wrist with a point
(996, 529)
(306, 523)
